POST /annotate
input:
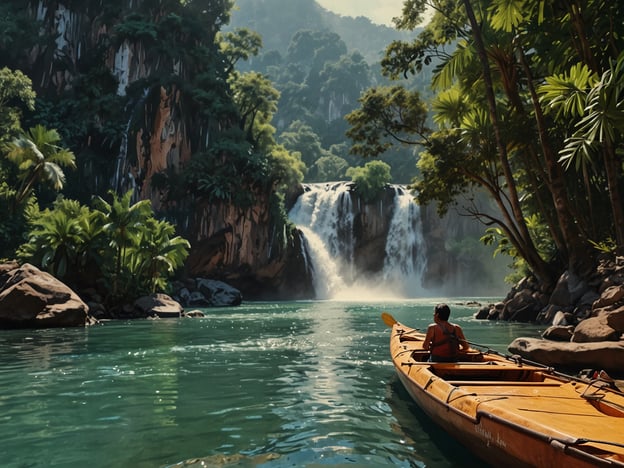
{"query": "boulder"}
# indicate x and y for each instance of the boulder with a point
(159, 305)
(594, 329)
(482, 313)
(197, 299)
(31, 298)
(194, 314)
(609, 297)
(615, 319)
(573, 356)
(524, 306)
(558, 333)
(218, 293)
(568, 290)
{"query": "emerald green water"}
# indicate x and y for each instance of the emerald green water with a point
(263, 384)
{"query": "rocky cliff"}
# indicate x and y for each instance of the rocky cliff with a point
(142, 88)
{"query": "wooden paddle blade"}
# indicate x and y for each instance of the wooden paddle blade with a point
(388, 319)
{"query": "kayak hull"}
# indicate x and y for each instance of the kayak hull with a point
(512, 413)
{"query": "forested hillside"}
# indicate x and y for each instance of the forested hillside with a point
(321, 63)
(529, 109)
(116, 111)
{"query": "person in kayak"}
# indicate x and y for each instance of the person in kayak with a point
(444, 339)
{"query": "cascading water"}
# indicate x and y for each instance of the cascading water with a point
(405, 257)
(325, 215)
(122, 179)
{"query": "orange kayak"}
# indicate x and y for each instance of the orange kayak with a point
(513, 413)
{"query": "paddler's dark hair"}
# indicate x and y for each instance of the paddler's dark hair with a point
(443, 311)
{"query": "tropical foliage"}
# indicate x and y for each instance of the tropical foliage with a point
(529, 109)
(320, 63)
(118, 241)
(370, 180)
(39, 159)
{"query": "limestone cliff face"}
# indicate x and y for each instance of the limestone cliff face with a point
(163, 125)
(242, 247)
(370, 229)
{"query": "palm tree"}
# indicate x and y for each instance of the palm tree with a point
(601, 129)
(124, 223)
(52, 240)
(158, 254)
(64, 240)
(39, 159)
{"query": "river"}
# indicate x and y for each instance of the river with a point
(261, 385)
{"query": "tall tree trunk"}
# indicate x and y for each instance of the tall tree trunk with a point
(539, 267)
(617, 208)
(579, 252)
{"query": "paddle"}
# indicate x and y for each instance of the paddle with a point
(388, 319)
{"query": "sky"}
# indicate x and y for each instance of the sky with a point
(378, 11)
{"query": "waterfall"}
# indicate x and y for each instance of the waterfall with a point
(405, 257)
(121, 180)
(325, 215)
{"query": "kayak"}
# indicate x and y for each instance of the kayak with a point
(509, 411)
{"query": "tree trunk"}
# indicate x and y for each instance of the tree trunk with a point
(579, 252)
(540, 268)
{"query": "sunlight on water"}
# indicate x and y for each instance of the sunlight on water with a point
(275, 385)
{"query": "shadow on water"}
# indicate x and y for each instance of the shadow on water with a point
(416, 426)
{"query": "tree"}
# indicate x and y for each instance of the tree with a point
(300, 137)
(496, 133)
(256, 100)
(39, 159)
(157, 255)
(64, 240)
(370, 180)
(73, 242)
(387, 114)
(123, 224)
(331, 167)
(16, 95)
(240, 44)
(598, 105)
(286, 168)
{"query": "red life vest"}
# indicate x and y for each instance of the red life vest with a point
(447, 346)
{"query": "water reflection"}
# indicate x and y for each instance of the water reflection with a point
(272, 385)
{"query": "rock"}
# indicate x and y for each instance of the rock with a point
(609, 297)
(615, 319)
(97, 310)
(603, 355)
(159, 305)
(31, 298)
(482, 313)
(558, 333)
(184, 295)
(549, 314)
(594, 329)
(197, 299)
(218, 293)
(568, 290)
(194, 313)
(522, 307)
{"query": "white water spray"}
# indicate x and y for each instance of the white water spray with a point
(325, 216)
(405, 258)
(324, 213)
